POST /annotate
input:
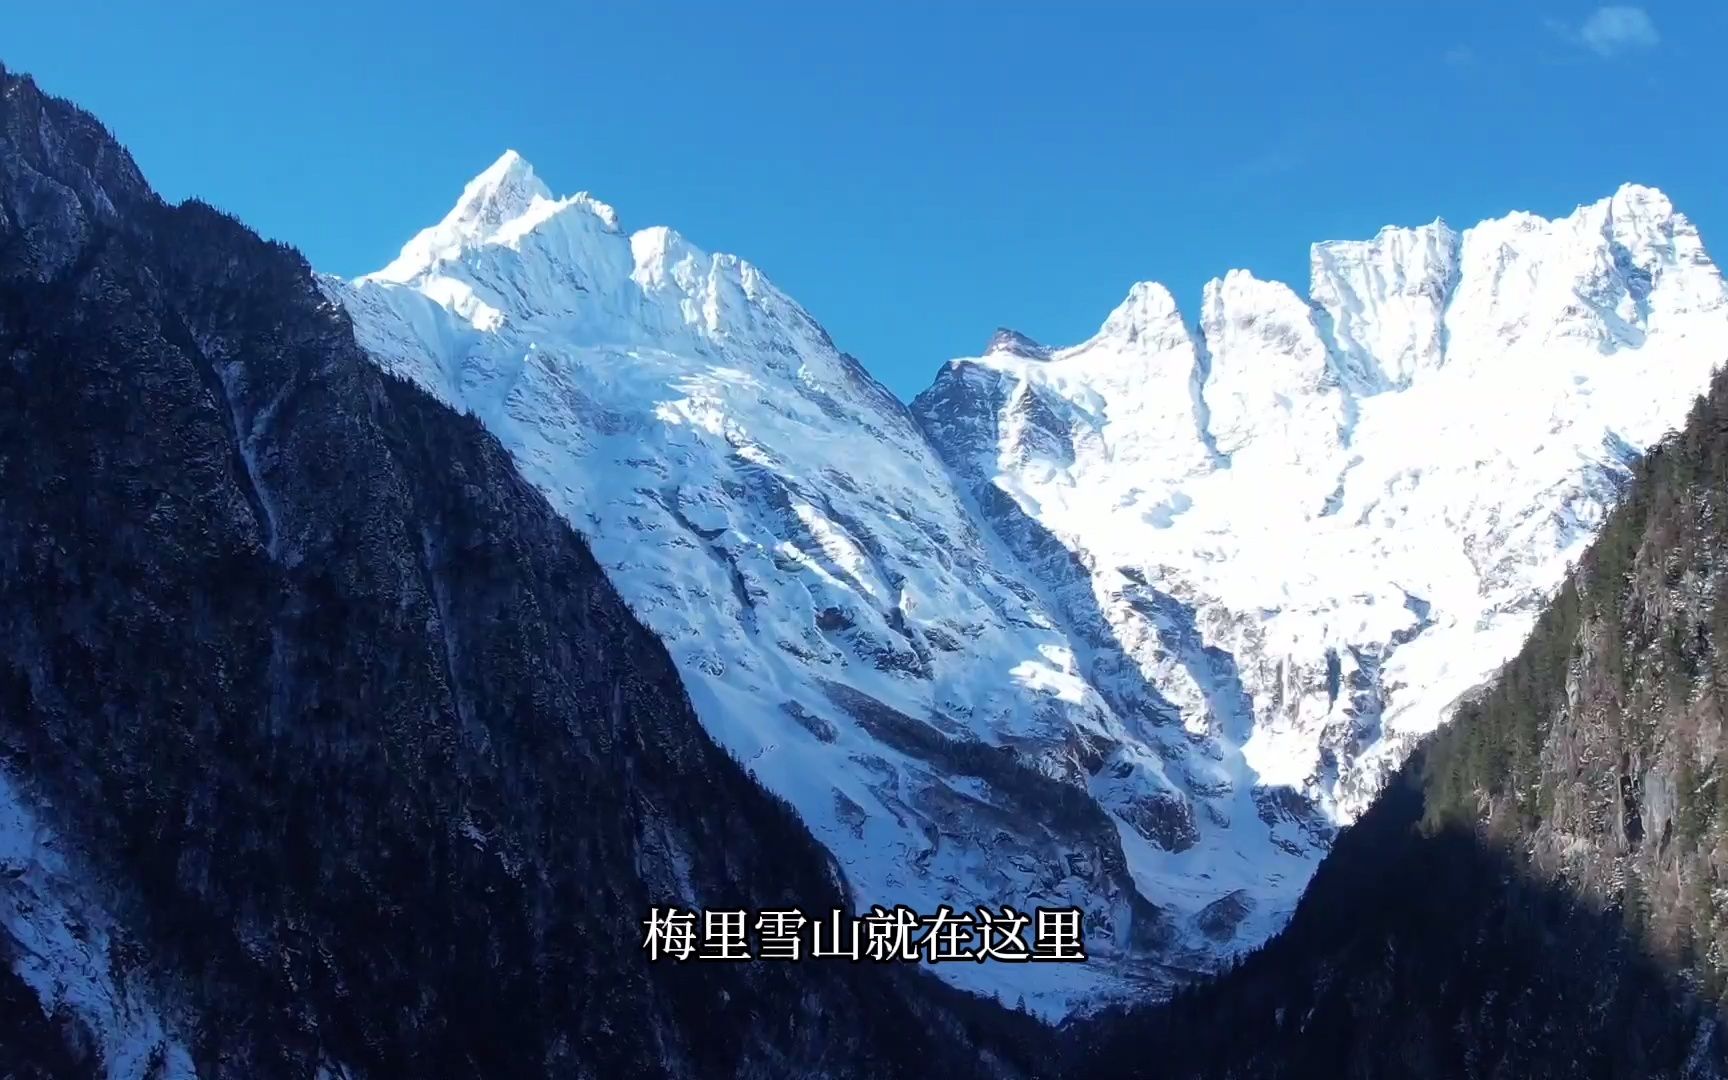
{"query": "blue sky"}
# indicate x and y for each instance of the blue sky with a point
(916, 174)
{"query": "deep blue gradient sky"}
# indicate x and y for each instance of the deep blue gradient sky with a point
(916, 174)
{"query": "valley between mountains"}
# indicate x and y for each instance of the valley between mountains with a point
(375, 652)
(1133, 624)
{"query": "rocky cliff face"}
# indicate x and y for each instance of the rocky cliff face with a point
(325, 746)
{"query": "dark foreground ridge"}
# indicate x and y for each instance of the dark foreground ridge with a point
(1426, 956)
(371, 768)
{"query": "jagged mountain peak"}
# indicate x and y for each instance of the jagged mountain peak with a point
(1644, 199)
(503, 204)
(777, 517)
(1633, 210)
(1378, 305)
(1241, 288)
(1146, 320)
(512, 255)
(659, 246)
(1404, 253)
(664, 259)
(1372, 484)
(1646, 222)
(503, 190)
(1014, 343)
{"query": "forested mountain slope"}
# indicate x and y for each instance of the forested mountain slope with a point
(326, 749)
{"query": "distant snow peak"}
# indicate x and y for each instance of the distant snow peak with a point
(1415, 451)
(1386, 298)
(1146, 321)
(504, 190)
(505, 202)
(841, 623)
(1013, 343)
(658, 252)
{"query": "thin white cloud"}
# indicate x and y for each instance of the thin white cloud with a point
(1459, 56)
(1615, 29)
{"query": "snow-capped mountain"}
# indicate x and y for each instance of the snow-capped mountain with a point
(1127, 625)
(1358, 500)
(842, 624)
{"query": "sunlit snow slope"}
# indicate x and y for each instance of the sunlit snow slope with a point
(1172, 593)
(1360, 497)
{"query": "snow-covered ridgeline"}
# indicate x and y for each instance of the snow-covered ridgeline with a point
(1365, 495)
(1100, 625)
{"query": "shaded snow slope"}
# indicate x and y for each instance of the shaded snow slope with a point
(58, 936)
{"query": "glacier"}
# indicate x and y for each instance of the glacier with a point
(1131, 625)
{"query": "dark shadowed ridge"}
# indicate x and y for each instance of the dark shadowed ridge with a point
(1425, 955)
(364, 764)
